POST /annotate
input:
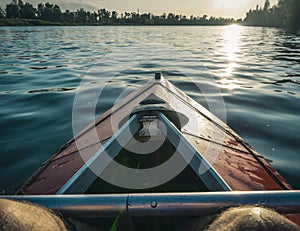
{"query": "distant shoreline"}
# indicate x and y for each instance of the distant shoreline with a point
(18, 13)
(286, 15)
(38, 22)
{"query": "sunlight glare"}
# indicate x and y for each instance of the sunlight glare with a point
(230, 49)
(231, 44)
(228, 84)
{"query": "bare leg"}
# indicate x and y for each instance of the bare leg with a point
(252, 219)
(15, 215)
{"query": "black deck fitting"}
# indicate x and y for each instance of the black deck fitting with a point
(157, 76)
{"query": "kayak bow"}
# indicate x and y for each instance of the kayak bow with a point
(158, 141)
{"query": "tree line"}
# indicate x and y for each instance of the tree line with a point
(286, 13)
(17, 9)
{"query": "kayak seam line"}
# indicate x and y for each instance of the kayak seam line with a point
(224, 145)
(236, 137)
(111, 113)
(267, 169)
(78, 150)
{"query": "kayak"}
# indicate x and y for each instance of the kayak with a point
(158, 144)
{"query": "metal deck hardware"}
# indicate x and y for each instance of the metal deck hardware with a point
(150, 127)
(85, 176)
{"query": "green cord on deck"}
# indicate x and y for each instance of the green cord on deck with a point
(115, 224)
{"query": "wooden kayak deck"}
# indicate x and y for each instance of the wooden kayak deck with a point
(237, 162)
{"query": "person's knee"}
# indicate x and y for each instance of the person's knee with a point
(252, 218)
(15, 215)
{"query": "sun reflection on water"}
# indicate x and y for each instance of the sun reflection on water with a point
(230, 49)
(232, 36)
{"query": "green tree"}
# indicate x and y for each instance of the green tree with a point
(114, 16)
(40, 10)
(27, 11)
(171, 18)
(267, 5)
(135, 18)
(20, 3)
(12, 10)
(81, 16)
(292, 13)
(91, 17)
(68, 16)
(145, 19)
(56, 14)
(127, 16)
(285, 14)
(266, 13)
(103, 15)
(49, 12)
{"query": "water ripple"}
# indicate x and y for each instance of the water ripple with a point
(52, 90)
(256, 70)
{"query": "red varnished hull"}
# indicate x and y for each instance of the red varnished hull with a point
(238, 163)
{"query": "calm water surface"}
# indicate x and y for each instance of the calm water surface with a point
(254, 71)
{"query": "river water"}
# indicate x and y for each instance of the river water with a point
(253, 72)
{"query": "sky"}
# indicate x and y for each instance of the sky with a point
(224, 8)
